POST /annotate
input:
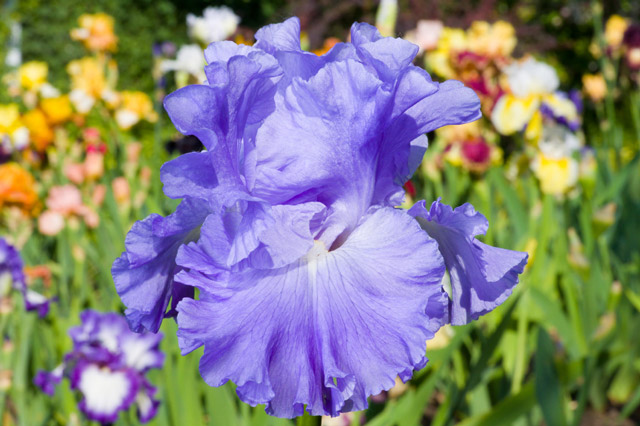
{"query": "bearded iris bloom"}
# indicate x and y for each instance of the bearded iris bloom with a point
(313, 290)
(107, 365)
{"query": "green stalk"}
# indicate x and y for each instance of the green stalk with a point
(308, 420)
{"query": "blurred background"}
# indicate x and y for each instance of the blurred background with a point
(553, 165)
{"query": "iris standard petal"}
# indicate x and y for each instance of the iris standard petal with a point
(143, 274)
(482, 276)
(282, 36)
(326, 331)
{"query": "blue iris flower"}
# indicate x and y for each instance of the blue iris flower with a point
(313, 289)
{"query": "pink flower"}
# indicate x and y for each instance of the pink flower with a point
(94, 165)
(97, 197)
(74, 172)
(121, 190)
(426, 34)
(65, 200)
(91, 218)
(50, 223)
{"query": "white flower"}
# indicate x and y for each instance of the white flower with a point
(530, 77)
(216, 24)
(558, 142)
(81, 100)
(189, 59)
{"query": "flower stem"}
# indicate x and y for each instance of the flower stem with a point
(308, 420)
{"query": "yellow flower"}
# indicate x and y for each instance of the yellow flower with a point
(460, 133)
(11, 126)
(39, 129)
(511, 114)
(57, 110)
(96, 32)
(9, 118)
(493, 41)
(134, 106)
(452, 41)
(594, 86)
(33, 74)
(17, 188)
(614, 30)
(87, 74)
(556, 175)
(562, 106)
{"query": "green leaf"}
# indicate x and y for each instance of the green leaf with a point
(548, 388)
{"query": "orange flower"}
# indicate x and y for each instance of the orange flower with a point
(17, 188)
(96, 32)
(39, 129)
(328, 44)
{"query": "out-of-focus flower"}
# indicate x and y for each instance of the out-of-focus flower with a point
(33, 74)
(93, 165)
(632, 46)
(99, 192)
(108, 366)
(81, 100)
(475, 57)
(293, 201)
(12, 276)
(14, 135)
(40, 132)
(88, 82)
(215, 24)
(121, 189)
(74, 172)
(96, 32)
(50, 223)
(386, 17)
(556, 175)
(133, 107)
(425, 35)
(91, 218)
(65, 199)
(561, 108)
(133, 151)
(511, 114)
(58, 110)
(531, 78)
(326, 46)
(17, 188)
(554, 165)
(492, 40)
(614, 30)
(452, 42)
(594, 86)
(529, 83)
(466, 147)
(189, 62)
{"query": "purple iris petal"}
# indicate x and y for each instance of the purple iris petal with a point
(482, 276)
(48, 380)
(328, 330)
(144, 273)
(146, 405)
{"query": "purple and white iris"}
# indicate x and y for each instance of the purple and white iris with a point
(12, 277)
(313, 289)
(107, 366)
